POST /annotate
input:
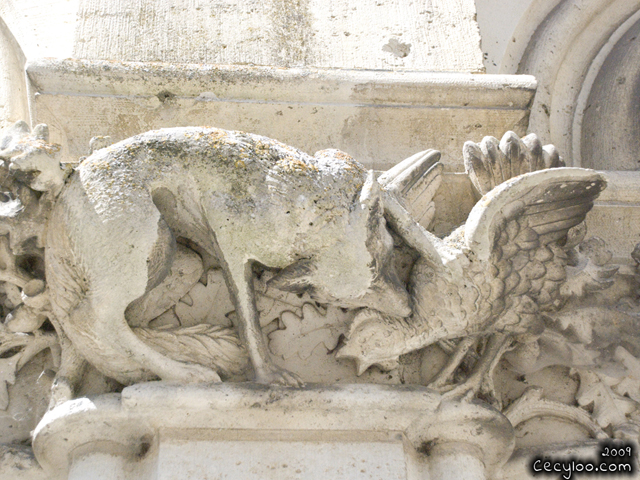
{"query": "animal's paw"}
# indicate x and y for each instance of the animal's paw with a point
(61, 392)
(274, 375)
(193, 374)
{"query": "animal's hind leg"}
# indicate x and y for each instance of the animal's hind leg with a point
(69, 374)
(106, 340)
(453, 363)
(497, 345)
(240, 284)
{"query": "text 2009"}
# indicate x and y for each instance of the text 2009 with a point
(616, 452)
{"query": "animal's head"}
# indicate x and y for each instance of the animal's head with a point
(30, 159)
(30, 179)
(357, 269)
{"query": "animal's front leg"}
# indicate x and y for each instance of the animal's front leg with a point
(240, 283)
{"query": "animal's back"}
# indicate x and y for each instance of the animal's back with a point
(245, 167)
(206, 179)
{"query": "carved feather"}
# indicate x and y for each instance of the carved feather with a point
(551, 201)
(490, 163)
(414, 182)
(503, 268)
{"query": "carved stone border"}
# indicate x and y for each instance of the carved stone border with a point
(379, 117)
(125, 428)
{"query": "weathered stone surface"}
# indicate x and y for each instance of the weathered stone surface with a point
(369, 34)
(517, 278)
(544, 329)
(254, 431)
(379, 118)
(13, 98)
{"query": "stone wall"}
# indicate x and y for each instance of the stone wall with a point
(468, 352)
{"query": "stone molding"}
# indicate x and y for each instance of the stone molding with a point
(378, 117)
(568, 50)
(134, 425)
(13, 88)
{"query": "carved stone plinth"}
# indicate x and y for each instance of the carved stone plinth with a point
(162, 431)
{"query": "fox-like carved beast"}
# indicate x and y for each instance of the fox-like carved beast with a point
(239, 200)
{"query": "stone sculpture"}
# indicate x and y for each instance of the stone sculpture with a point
(122, 219)
(490, 282)
(128, 235)
(497, 274)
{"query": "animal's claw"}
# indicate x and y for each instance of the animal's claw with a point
(464, 392)
(476, 385)
(278, 376)
(195, 374)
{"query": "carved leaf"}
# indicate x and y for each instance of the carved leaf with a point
(609, 408)
(302, 334)
(552, 348)
(578, 322)
(209, 345)
(532, 404)
(629, 387)
(272, 303)
(630, 384)
(588, 276)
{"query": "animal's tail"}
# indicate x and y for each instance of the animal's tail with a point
(213, 346)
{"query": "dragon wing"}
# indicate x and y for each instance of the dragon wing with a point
(513, 234)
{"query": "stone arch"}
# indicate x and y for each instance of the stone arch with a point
(13, 87)
(578, 53)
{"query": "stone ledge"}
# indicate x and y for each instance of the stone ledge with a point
(307, 85)
(379, 117)
(148, 420)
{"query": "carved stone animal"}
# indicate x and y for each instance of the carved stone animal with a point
(494, 276)
(239, 200)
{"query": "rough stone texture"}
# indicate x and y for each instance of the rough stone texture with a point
(508, 294)
(498, 21)
(378, 117)
(517, 275)
(371, 34)
(610, 121)
(568, 319)
(569, 50)
(496, 309)
(18, 463)
(43, 28)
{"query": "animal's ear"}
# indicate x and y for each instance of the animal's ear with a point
(295, 278)
(41, 132)
(371, 193)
